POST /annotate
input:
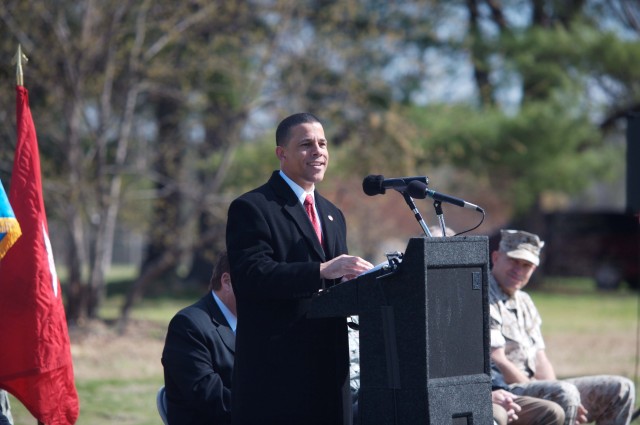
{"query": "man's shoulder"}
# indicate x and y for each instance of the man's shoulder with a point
(495, 293)
(524, 297)
(258, 192)
(195, 312)
(325, 203)
(267, 191)
(527, 303)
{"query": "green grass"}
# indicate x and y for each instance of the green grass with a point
(569, 307)
(158, 310)
(601, 328)
(572, 310)
(123, 400)
(585, 313)
(102, 402)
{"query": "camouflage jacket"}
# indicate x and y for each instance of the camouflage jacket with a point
(515, 325)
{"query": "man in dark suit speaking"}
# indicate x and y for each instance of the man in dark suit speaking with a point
(290, 369)
(198, 355)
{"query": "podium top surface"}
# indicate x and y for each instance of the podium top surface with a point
(421, 254)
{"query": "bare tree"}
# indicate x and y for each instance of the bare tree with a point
(145, 108)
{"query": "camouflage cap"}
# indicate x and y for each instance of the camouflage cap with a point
(522, 245)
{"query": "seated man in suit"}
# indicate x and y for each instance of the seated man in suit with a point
(198, 355)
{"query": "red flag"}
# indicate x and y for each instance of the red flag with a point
(35, 352)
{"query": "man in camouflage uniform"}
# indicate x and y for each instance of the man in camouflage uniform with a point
(518, 349)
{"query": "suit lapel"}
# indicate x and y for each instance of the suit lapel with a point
(295, 210)
(228, 337)
(220, 323)
(328, 223)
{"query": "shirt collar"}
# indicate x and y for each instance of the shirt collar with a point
(297, 189)
(231, 318)
(496, 290)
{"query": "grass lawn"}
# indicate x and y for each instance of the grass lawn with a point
(117, 376)
(589, 331)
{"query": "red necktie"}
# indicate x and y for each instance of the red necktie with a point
(308, 206)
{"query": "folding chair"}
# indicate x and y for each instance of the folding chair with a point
(161, 403)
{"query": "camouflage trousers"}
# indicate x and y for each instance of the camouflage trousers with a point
(609, 399)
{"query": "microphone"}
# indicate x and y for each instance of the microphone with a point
(419, 190)
(377, 184)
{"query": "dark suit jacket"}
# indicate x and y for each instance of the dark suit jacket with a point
(289, 369)
(198, 363)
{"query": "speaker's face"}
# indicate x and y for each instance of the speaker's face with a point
(305, 157)
(511, 273)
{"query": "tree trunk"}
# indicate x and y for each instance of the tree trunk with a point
(481, 67)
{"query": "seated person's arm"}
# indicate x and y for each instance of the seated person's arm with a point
(509, 370)
(507, 401)
(544, 368)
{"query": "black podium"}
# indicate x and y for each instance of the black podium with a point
(424, 334)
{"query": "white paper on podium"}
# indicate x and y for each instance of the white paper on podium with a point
(375, 268)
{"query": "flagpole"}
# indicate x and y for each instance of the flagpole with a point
(19, 58)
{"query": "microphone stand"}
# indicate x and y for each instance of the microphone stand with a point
(409, 200)
(440, 214)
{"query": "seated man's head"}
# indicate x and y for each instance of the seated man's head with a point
(220, 282)
(516, 259)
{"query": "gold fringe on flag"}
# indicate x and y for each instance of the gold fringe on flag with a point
(11, 230)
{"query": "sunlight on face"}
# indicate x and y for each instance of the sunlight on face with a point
(511, 273)
(305, 156)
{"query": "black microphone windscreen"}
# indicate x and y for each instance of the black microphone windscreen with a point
(372, 185)
(417, 189)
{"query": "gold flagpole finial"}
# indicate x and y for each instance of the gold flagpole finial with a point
(19, 59)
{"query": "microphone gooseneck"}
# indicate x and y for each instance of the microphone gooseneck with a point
(420, 190)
